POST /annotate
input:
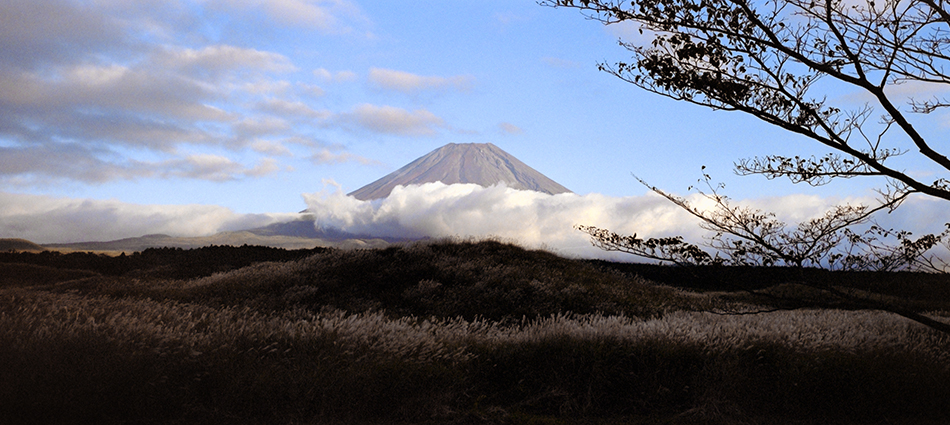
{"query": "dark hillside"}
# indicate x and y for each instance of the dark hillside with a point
(931, 291)
(488, 280)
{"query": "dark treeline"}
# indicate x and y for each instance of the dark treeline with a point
(175, 263)
(903, 284)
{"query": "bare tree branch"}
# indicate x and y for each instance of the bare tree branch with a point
(764, 59)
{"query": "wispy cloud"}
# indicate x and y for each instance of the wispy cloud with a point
(510, 18)
(509, 128)
(326, 156)
(393, 120)
(216, 61)
(289, 108)
(560, 63)
(335, 77)
(271, 147)
(265, 167)
(388, 79)
(204, 167)
(329, 16)
(256, 126)
(82, 114)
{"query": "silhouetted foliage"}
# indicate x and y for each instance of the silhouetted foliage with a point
(744, 237)
(775, 60)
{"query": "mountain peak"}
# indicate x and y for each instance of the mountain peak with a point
(480, 163)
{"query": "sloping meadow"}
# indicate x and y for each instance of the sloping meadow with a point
(447, 332)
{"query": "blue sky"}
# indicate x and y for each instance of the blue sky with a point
(247, 105)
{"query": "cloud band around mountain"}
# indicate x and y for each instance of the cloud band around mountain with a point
(534, 219)
(432, 210)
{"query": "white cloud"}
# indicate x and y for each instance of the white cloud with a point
(531, 218)
(250, 127)
(325, 156)
(55, 163)
(263, 87)
(270, 147)
(905, 92)
(213, 167)
(44, 219)
(51, 162)
(535, 219)
(76, 120)
(218, 59)
(161, 101)
(41, 32)
(93, 92)
(630, 31)
(293, 109)
(71, 91)
(329, 16)
(312, 90)
(393, 120)
(510, 18)
(89, 75)
(409, 83)
(205, 167)
(264, 167)
(560, 63)
(334, 77)
(509, 128)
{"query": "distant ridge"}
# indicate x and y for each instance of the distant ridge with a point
(480, 163)
(277, 237)
(16, 244)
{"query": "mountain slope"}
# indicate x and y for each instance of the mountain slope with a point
(479, 163)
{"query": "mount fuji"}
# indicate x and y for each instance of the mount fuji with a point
(483, 164)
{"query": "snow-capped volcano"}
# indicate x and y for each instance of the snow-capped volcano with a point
(479, 163)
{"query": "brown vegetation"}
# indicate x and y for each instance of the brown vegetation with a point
(446, 332)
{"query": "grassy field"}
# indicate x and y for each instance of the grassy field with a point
(456, 332)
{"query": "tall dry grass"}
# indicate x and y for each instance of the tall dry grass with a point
(340, 337)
